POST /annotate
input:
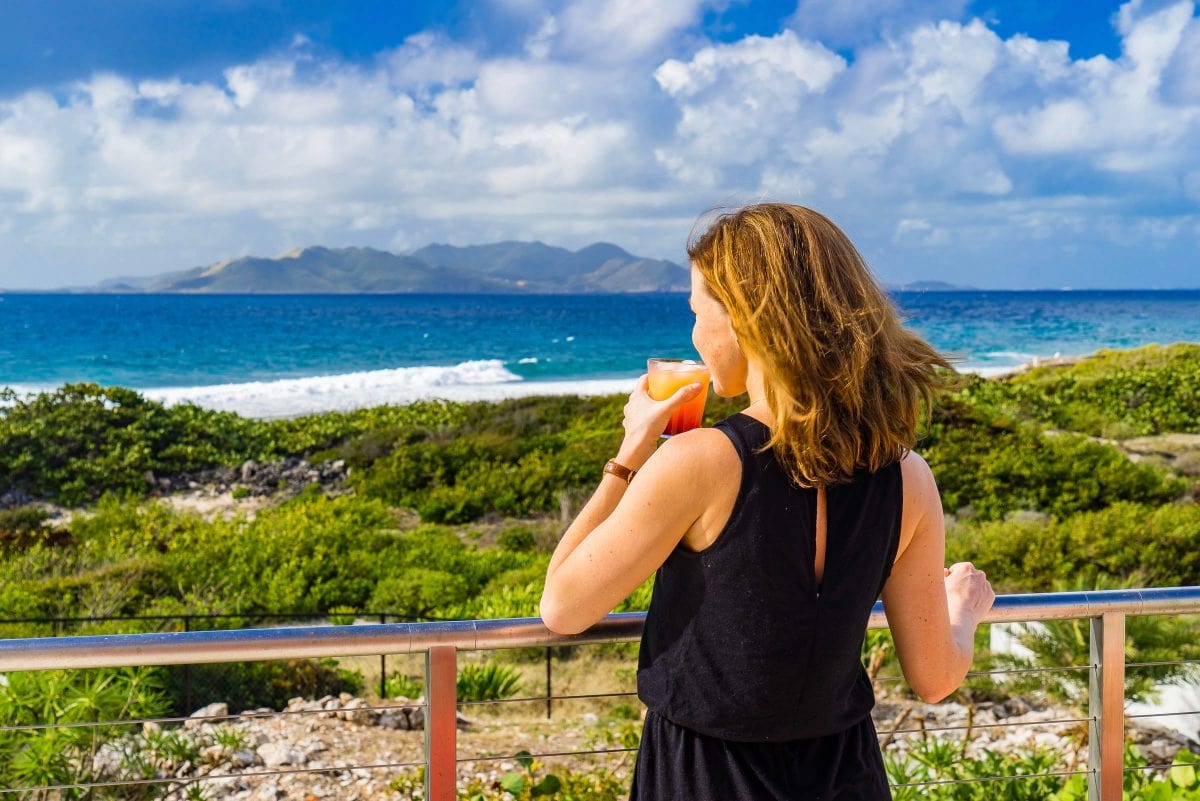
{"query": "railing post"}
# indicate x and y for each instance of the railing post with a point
(441, 718)
(549, 688)
(187, 673)
(1106, 706)
(383, 668)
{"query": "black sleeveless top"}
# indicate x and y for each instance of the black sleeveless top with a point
(740, 642)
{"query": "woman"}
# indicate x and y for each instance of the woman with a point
(774, 532)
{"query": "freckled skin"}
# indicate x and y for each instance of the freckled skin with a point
(715, 341)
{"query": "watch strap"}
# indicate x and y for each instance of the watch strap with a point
(615, 468)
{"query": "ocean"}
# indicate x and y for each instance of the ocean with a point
(275, 356)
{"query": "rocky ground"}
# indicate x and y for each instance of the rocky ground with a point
(345, 748)
(219, 492)
(225, 491)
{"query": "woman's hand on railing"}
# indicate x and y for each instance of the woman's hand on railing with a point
(969, 595)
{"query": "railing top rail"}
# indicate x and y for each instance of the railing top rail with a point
(243, 645)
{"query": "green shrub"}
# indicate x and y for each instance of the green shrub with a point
(1150, 390)
(250, 685)
(944, 760)
(490, 681)
(517, 538)
(1149, 546)
(82, 440)
(1065, 643)
(398, 685)
(22, 519)
(37, 757)
(993, 467)
(342, 615)
(419, 592)
(307, 555)
(1178, 783)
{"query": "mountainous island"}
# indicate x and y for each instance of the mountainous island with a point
(502, 267)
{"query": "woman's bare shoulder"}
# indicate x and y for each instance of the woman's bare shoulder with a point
(921, 500)
(703, 451)
(914, 470)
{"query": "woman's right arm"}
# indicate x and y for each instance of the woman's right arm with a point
(932, 610)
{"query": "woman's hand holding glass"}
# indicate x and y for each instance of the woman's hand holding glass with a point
(646, 419)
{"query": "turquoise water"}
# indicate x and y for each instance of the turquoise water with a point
(375, 348)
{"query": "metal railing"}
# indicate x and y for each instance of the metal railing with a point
(187, 622)
(441, 642)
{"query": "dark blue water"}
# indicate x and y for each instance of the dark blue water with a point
(171, 340)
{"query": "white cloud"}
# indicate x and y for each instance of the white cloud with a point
(1112, 113)
(783, 59)
(844, 23)
(920, 231)
(620, 30)
(940, 138)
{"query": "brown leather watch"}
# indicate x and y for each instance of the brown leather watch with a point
(615, 468)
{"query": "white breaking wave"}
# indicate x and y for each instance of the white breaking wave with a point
(990, 370)
(486, 380)
(1017, 357)
(474, 380)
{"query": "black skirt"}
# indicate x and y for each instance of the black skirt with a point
(675, 764)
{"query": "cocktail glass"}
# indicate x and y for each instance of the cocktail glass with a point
(666, 377)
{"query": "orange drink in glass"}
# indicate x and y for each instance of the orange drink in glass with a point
(666, 377)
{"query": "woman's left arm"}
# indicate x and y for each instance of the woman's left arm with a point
(625, 531)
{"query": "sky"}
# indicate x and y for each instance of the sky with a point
(1006, 144)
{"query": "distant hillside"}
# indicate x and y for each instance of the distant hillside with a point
(503, 267)
(934, 286)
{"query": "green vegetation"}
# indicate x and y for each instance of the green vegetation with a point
(1021, 775)
(1114, 394)
(36, 757)
(490, 681)
(1034, 505)
(456, 507)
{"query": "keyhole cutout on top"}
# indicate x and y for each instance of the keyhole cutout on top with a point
(819, 556)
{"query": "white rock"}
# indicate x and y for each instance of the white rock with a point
(210, 711)
(212, 754)
(416, 717)
(357, 711)
(393, 719)
(268, 792)
(273, 755)
(242, 758)
(108, 760)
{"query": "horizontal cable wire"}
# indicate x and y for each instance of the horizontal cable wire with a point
(543, 698)
(86, 724)
(501, 757)
(1053, 669)
(259, 616)
(1006, 671)
(1028, 723)
(1164, 714)
(1162, 664)
(210, 777)
(995, 778)
(1166, 766)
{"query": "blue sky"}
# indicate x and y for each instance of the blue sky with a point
(1004, 143)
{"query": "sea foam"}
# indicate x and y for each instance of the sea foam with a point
(473, 380)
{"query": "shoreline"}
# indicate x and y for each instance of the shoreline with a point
(482, 380)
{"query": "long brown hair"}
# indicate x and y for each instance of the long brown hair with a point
(845, 381)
